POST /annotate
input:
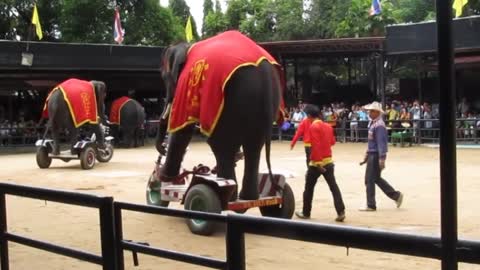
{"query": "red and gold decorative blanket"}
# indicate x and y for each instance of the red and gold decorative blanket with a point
(209, 66)
(81, 101)
(115, 110)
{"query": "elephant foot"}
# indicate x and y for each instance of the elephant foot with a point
(56, 151)
(248, 195)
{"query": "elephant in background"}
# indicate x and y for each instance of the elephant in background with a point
(130, 122)
(252, 96)
(60, 118)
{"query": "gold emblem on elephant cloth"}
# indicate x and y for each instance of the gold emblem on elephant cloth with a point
(86, 103)
(197, 73)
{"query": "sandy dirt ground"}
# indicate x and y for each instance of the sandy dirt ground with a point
(414, 171)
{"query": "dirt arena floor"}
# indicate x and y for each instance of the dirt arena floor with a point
(414, 171)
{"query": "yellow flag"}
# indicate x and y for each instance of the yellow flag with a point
(36, 22)
(188, 30)
(458, 6)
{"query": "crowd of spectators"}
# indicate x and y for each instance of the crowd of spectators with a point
(351, 120)
(17, 132)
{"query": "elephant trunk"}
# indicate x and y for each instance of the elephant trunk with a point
(162, 130)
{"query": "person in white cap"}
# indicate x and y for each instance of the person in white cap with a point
(375, 159)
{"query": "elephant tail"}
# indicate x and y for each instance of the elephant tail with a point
(271, 105)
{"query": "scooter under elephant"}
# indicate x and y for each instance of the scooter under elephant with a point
(200, 189)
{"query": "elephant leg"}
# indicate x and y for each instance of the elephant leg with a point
(56, 139)
(252, 151)
(224, 152)
(97, 129)
(177, 146)
(73, 132)
(130, 137)
(135, 137)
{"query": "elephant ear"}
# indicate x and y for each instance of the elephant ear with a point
(179, 58)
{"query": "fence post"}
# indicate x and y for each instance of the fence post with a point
(235, 246)
(119, 236)
(3, 230)
(107, 234)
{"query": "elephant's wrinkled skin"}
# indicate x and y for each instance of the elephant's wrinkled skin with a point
(252, 96)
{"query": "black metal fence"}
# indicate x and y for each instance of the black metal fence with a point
(107, 232)
(113, 245)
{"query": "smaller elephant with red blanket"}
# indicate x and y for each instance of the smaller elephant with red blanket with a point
(127, 117)
(74, 104)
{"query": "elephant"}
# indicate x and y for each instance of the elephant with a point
(59, 109)
(252, 95)
(127, 117)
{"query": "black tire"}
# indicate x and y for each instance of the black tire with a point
(43, 160)
(154, 197)
(202, 198)
(105, 157)
(285, 210)
(87, 158)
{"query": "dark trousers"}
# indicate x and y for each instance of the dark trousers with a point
(308, 151)
(313, 174)
(372, 177)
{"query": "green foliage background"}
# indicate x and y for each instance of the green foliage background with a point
(148, 23)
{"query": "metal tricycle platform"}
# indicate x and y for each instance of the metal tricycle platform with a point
(202, 190)
(85, 150)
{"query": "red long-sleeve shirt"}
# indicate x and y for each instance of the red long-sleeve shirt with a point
(303, 131)
(322, 139)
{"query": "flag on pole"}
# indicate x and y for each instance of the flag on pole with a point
(188, 30)
(118, 31)
(458, 6)
(36, 22)
(376, 8)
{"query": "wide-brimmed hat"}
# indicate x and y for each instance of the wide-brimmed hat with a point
(374, 106)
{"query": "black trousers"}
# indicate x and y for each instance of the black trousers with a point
(373, 177)
(308, 151)
(313, 174)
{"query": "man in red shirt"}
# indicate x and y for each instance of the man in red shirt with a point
(303, 131)
(322, 139)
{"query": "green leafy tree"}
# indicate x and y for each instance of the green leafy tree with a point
(236, 13)
(86, 21)
(215, 22)
(260, 22)
(289, 18)
(147, 23)
(207, 8)
(8, 20)
(16, 15)
(182, 11)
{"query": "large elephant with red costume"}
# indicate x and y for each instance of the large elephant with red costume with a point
(74, 104)
(232, 88)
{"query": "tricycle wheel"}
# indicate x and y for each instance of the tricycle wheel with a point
(43, 160)
(153, 194)
(87, 158)
(202, 198)
(285, 210)
(105, 156)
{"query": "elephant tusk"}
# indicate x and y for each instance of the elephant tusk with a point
(167, 111)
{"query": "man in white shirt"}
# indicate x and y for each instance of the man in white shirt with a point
(297, 117)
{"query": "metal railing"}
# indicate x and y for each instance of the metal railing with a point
(103, 204)
(113, 245)
(136, 247)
